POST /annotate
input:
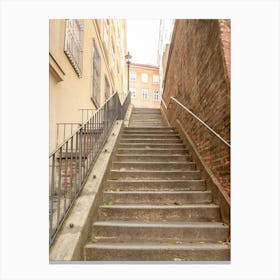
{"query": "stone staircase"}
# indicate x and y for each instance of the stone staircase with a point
(155, 204)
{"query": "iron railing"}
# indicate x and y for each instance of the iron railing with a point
(72, 161)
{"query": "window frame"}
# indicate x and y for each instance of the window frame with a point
(156, 82)
(144, 75)
(130, 76)
(133, 90)
(147, 93)
(96, 76)
(154, 94)
(73, 44)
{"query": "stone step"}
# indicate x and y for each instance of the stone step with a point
(127, 231)
(153, 165)
(151, 146)
(128, 132)
(157, 252)
(151, 141)
(171, 151)
(157, 197)
(151, 174)
(152, 158)
(135, 212)
(150, 136)
(156, 185)
(163, 128)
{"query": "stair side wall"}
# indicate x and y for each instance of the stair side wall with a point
(196, 75)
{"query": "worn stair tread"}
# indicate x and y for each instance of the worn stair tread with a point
(159, 149)
(147, 206)
(167, 224)
(158, 181)
(158, 192)
(160, 246)
(156, 171)
(155, 163)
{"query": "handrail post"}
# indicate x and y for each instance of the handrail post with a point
(80, 160)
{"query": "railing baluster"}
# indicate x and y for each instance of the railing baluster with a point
(77, 171)
(80, 159)
(85, 145)
(66, 176)
(52, 194)
(59, 186)
(71, 170)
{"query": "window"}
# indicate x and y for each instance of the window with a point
(144, 78)
(132, 76)
(106, 32)
(133, 93)
(156, 94)
(96, 65)
(107, 89)
(74, 44)
(155, 79)
(144, 93)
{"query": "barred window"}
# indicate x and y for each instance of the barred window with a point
(74, 43)
(96, 77)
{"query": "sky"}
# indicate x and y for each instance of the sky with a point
(142, 40)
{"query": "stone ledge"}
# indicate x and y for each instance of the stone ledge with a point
(69, 243)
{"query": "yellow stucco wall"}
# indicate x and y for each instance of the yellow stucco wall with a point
(69, 92)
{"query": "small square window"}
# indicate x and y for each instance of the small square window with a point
(144, 78)
(155, 79)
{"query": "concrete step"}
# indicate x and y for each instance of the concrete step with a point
(142, 131)
(152, 146)
(188, 212)
(171, 151)
(153, 166)
(127, 231)
(156, 185)
(163, 128)
(150, 174)
(157, 197)
(151, 141)
(149, 136)
(157, 252)
(152, 158)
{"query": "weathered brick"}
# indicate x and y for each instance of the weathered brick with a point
(198, 75)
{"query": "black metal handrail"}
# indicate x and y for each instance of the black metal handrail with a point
(72, 161)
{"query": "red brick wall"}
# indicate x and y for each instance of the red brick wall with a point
(198, 77)
(225, 41)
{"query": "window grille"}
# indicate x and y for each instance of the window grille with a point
(74, 43)
(96, 76)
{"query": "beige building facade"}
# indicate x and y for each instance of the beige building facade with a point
(144, 86)
(86, 66)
